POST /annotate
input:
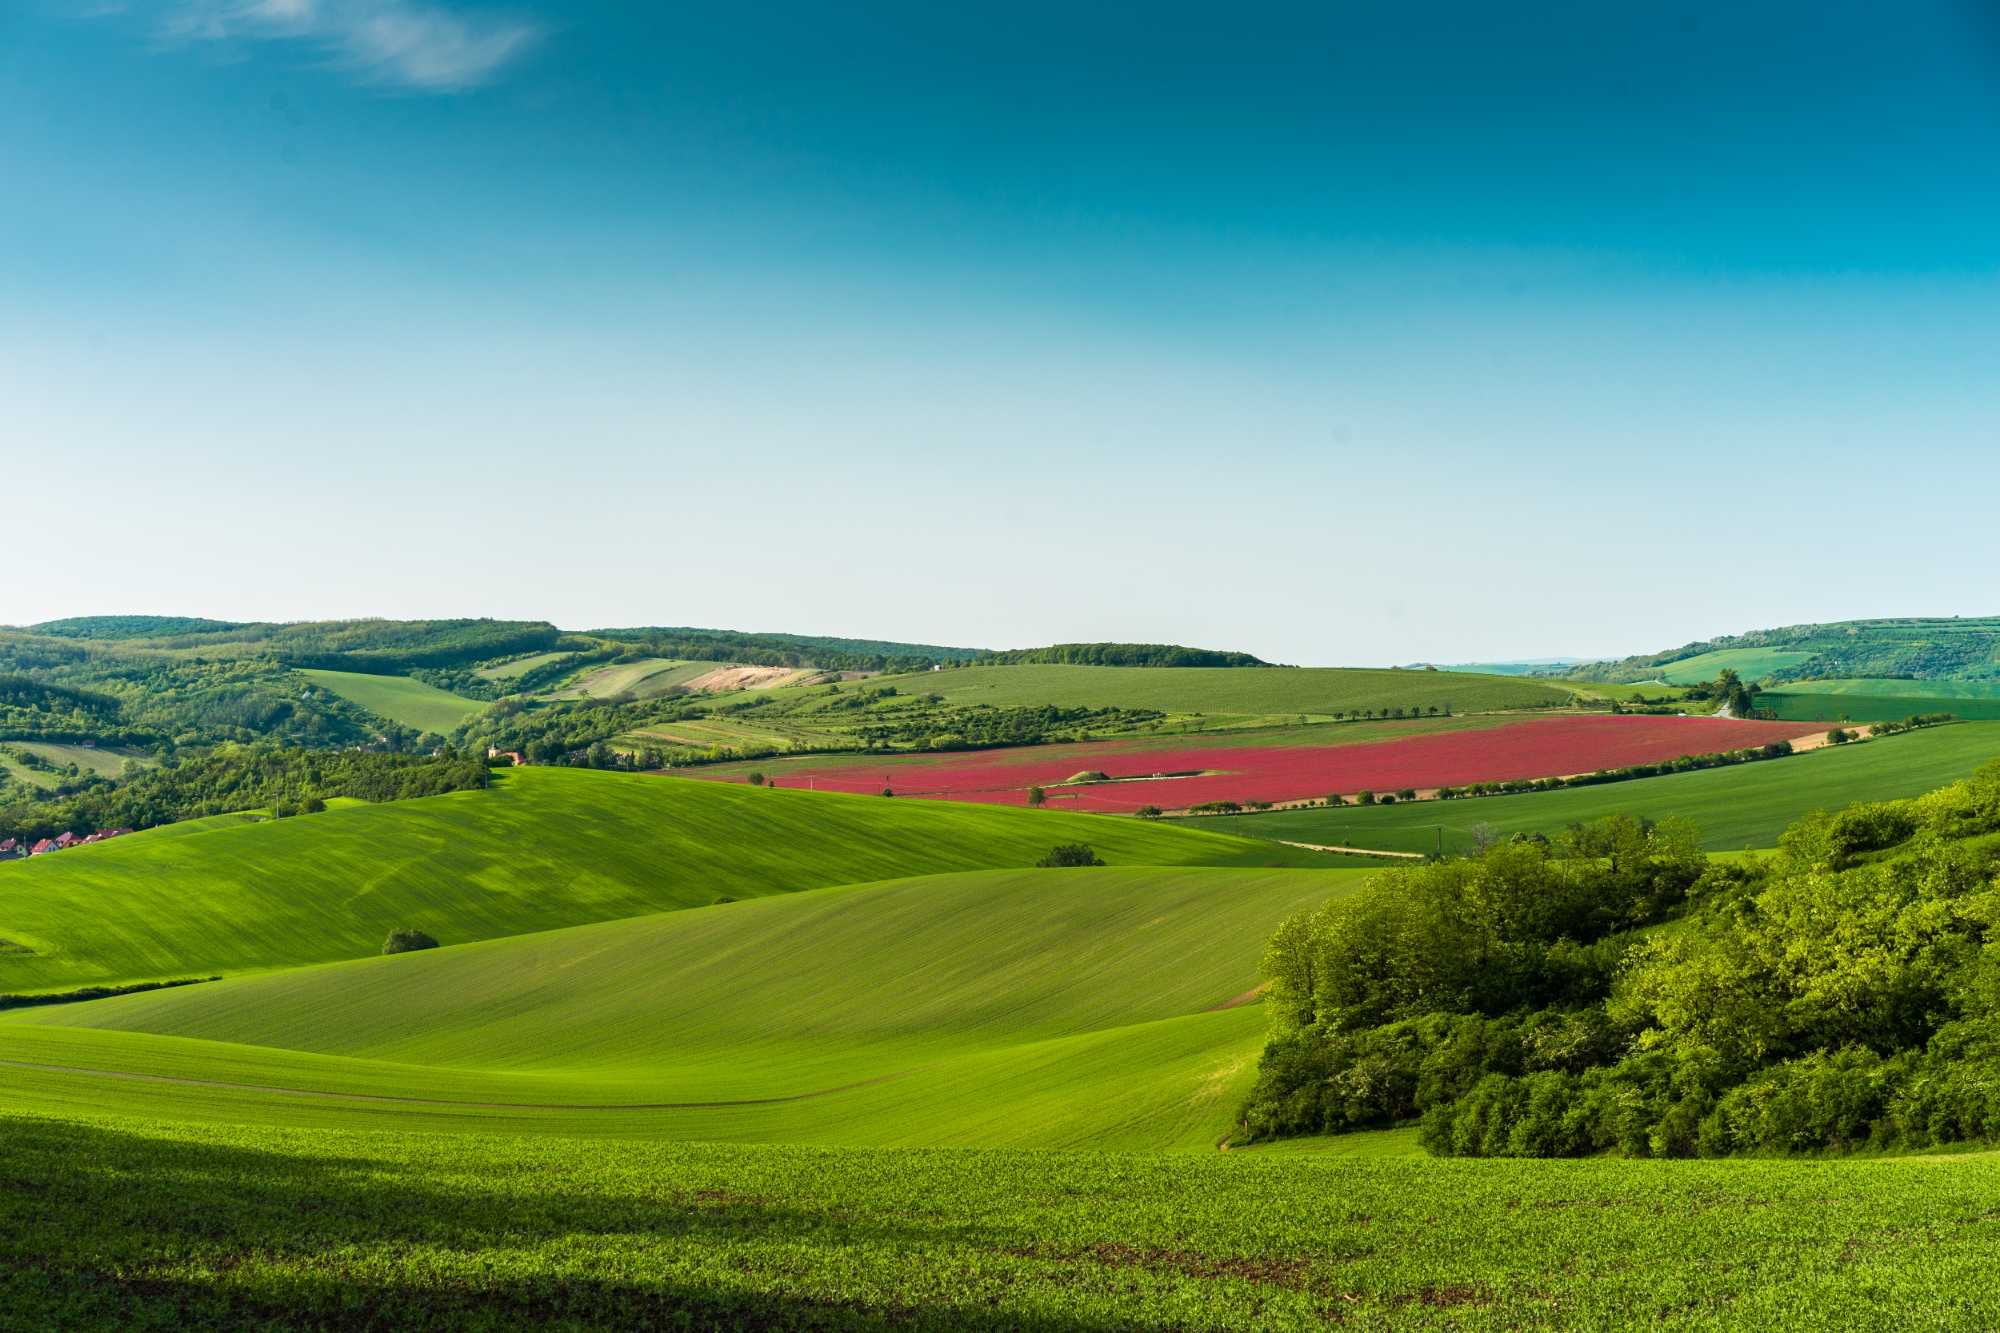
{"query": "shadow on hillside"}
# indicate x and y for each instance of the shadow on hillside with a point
(103, 1227)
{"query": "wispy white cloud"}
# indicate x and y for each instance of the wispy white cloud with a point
(403, 43)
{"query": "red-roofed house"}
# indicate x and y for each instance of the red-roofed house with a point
(67, 839)
(42, 847)
(12, 844)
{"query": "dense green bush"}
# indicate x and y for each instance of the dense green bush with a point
(1071, 854)
(408, 941)
(1611, 991)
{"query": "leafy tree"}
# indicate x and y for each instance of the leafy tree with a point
(1037, 797)
(1070, 854)
(408, 941)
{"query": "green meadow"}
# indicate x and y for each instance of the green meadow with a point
(702, 1054)
(1082, 1007)
(204, 1225)
(1749, 663)
(644, 679)
(1744, 806)
(540, 849)
(400, 699)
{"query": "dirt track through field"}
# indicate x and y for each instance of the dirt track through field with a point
(1356, 851)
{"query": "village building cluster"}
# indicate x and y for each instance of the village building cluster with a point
(13, 848)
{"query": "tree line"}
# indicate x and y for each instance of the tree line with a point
(1120, 654)
(239, 777)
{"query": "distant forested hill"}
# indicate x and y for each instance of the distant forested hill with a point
(133, 627)
(1121, 654)
(1914, 648)
(794, 650)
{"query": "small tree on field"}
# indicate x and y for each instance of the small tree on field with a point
(755, 779)
(1336, 799)
(1365, 798)
(888, 791)
(408, 941)
(1407, 794)
(1070, 854)
(1149, 812)
(1037, 797)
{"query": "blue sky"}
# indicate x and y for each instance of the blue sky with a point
(1335, 332)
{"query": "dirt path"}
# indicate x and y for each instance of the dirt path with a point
(1256, 992)
(1818, 741)
(1355, 851)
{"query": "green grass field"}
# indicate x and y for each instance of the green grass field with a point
(1811, 707)
(520, 666)
(1225, 691)
(645, 679)
(1883, 700)
(1900, 689)
(1744, 806)
(833, 1103)
(1749, 663)
(1038, 1007)
(400, 699)
(104, 760)
(541, 849)
(116, 1223)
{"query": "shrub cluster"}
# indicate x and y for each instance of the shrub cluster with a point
(1612, 991)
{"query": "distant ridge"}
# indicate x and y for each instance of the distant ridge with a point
(1905, 648)
(1532, 666)
(1121, 654)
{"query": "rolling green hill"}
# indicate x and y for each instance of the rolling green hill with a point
(1749, 663)
(644, 679)
(542, 848)
(1807, 702)
(407, 702)
(1744, 806)
(1930, 648)
(1036, 1007)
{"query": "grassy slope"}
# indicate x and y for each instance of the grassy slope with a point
(1863, 700)
(644, 679)
(520, 666)
(107, 1224)
(1749, 663)
(104, 760)
(1044, 1007)
(1807, 706)
(1901, 689)
(1256, 691)
(1746, 806)
(399, 698)
(543, 848)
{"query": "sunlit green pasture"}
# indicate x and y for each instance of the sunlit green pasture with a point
(127, 1223)
(1038, 1007)
(541, 849)
(401, 700)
